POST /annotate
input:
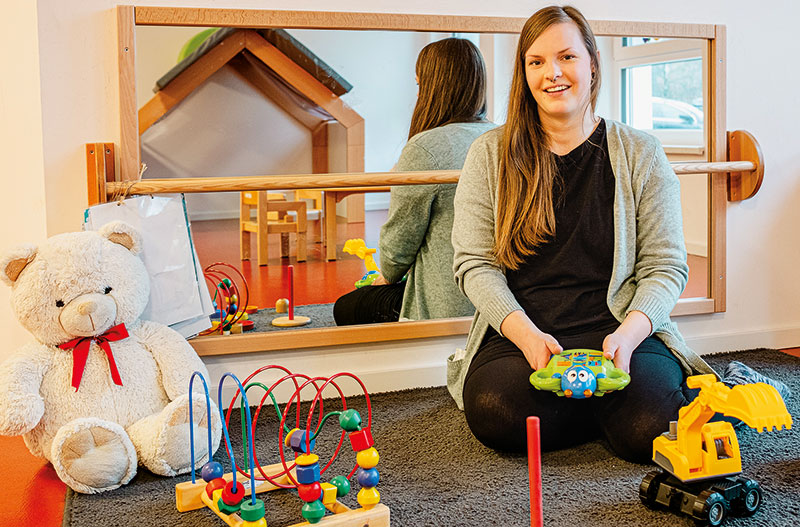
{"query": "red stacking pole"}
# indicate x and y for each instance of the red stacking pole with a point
(535, 471)
(291, 292)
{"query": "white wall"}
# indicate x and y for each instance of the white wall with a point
(23, 214)
(77, 65)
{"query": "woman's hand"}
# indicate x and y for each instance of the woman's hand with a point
(536, 345)
(619, 345)
(380, 281)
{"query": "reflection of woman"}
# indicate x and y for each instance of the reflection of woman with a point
(415, 240)
(568, 234)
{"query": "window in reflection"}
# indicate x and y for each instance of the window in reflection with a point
(666, 98)
(661, 87)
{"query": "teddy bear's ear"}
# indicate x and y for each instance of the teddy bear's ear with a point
(13, 262)
(123, 234)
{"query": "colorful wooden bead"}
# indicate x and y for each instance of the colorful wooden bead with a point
(224, 508)
(211, 470)
(350, 420)
(308, 474)
(288, 439)
(252, 512)
(306, 459)
(232, 309)
(368, 497)
(329, 493)
(282, 305)
(368, 477)
(233, 494)
(313, 512)
(310, 492)
(216, 497)
(215, 484)
(342, 485)
(361, 440)
(298, 441)
(233, 299)
(226, 282)
(367, 458)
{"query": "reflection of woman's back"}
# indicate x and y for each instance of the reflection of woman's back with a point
(415, 240)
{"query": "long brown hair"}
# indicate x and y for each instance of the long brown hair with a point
(525, 209)
(452, 85)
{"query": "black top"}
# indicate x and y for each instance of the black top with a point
(563, 287)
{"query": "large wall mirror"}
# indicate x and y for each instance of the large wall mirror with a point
(240, 121)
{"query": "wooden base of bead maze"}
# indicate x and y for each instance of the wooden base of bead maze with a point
(191, 496)
(286, 322)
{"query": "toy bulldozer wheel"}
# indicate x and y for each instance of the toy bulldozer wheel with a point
(750, 502)
(648, 488)
(710, 508)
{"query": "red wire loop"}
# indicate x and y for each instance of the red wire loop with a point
(300, 382)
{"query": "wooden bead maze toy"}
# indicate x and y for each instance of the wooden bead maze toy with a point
(236, 503)
(231, 315)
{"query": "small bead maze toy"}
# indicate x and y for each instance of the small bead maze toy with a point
(226, 495)
(580, 373)
(358, 247)
(231, 315)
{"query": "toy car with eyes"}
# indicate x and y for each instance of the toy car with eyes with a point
(579, 373)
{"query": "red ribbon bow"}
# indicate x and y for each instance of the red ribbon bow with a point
(80, 352)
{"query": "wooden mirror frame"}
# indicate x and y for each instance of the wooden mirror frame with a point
(129, 149)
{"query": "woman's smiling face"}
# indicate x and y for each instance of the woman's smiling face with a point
(558, 69)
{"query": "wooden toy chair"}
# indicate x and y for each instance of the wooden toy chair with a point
(272, 217)
(314, 207)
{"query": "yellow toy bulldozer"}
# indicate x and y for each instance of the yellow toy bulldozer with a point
(700, 459)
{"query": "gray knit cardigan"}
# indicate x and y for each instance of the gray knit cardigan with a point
(415, 240)
(649, 270)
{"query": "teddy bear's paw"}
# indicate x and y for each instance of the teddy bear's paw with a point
(172, 454)
(19, 412)
(93, 456)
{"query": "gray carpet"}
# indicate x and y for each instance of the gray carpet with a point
(434, 473)
(321, 317)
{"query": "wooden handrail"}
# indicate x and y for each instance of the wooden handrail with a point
(346, 180)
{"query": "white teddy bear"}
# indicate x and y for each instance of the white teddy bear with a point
(100, 391)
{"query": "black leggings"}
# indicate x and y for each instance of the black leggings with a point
(370, 304)
(498, 398)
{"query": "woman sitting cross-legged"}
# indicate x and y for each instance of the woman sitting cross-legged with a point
(568, 234)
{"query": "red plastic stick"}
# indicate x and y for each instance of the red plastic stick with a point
(535, 471)
(291, 292)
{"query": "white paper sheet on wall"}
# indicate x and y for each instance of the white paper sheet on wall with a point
(179, 297)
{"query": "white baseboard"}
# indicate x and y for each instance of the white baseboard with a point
(381, 366)
(377, 201)
(203, 215)
(697, 248)
(744, 340)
